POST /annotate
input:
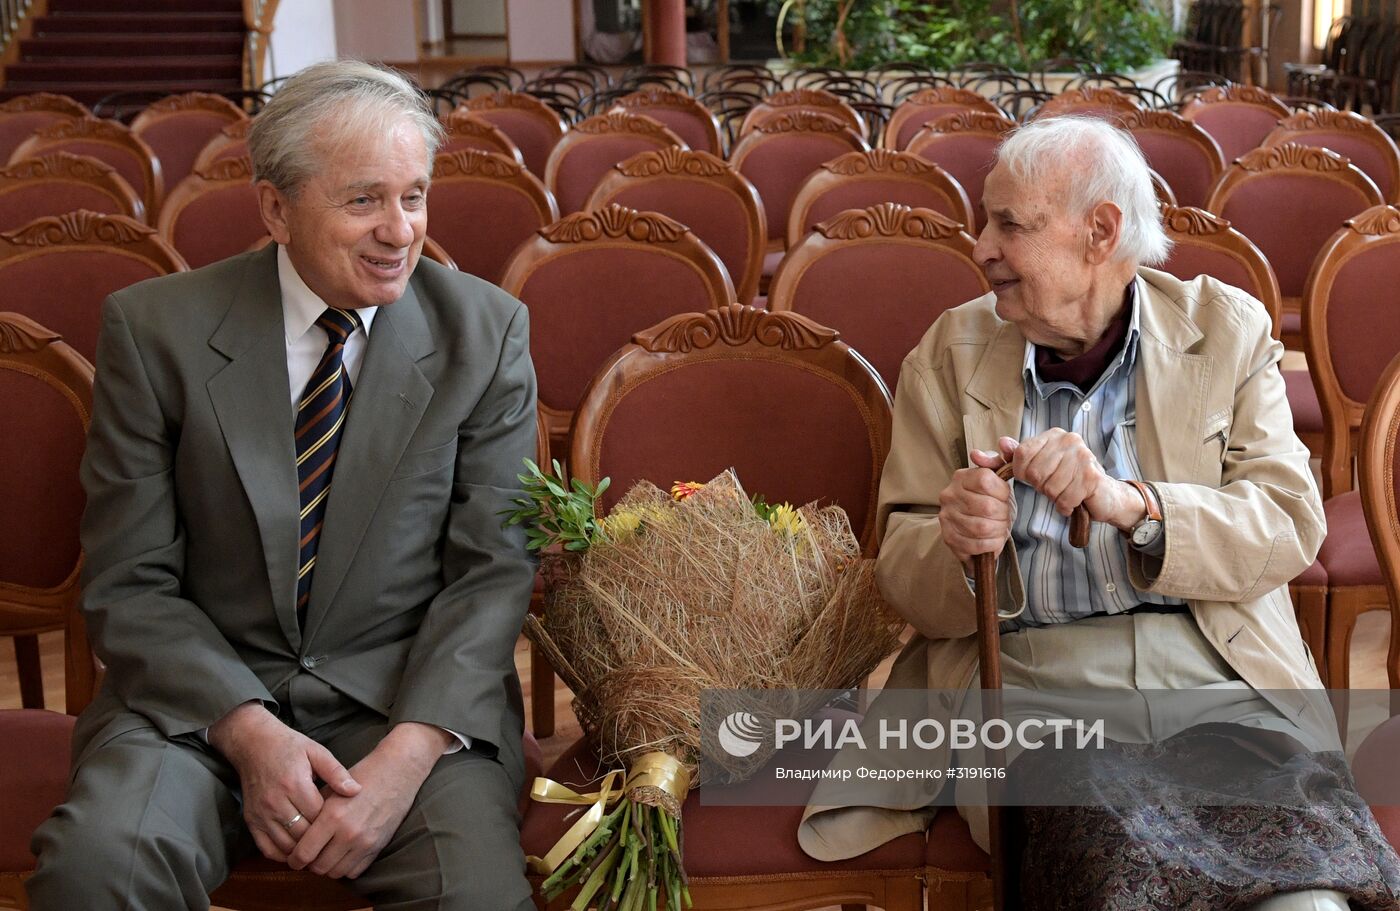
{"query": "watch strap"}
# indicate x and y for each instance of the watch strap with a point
(1154, 514)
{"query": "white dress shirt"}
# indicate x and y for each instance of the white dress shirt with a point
(306, 343)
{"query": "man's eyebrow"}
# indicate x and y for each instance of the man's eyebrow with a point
(364, 185)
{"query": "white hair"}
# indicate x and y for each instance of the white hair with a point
(328, 105)
(1104, 164)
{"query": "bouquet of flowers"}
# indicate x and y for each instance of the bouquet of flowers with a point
(667, 595)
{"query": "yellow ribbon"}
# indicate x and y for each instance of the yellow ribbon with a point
(655, 770)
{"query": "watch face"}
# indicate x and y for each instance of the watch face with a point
(1146, 532)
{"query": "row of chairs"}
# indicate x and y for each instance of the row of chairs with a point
(1360, 64)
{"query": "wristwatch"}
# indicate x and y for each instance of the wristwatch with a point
(1146, 531)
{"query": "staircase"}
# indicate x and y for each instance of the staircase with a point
(88, 49)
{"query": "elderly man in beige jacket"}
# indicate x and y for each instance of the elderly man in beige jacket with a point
(1156, 404)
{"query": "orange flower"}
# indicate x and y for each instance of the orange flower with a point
(684, 490)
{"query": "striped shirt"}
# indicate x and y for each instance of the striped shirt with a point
(1064, 583)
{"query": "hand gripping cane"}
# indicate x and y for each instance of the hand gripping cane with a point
(989, 662)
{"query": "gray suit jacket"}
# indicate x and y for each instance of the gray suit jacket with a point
(191, 525)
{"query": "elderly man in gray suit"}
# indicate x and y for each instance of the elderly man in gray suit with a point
(296, 572)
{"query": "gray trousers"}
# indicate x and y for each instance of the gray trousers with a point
(154, 823)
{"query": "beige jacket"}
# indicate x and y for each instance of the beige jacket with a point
(1215, 435)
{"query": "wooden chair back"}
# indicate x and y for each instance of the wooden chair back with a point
(1351, 330)
(703, 192)
(679, 112)
(59, 183)
(593, 147)
(483, 206)
(177, 129)
(213, 214)
(816, 101)
(107, 141)
(738, 387)
(57, 270)
(929, 105)
(590, 280)
(1238, 117)
(780, 152)
(532, 125)
(1184, 154)
(1366, 145)
(964, 145)
(858, 180)
(857, 274)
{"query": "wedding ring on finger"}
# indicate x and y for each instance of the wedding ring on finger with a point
(291, 822)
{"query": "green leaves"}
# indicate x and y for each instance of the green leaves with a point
(1119, 35)
(555, 511)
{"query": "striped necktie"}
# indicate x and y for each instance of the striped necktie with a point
(320, 421)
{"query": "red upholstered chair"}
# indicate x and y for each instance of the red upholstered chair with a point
(1206, 244)
(957, 873)
(21, 117)
(47, 390)
(108, 141)
(857, 180)
(778, 155)
(816, 101)
(178, 128)
(213, 214)
(1367, 146)
(929, 105)
(1180, 151)
(59, 183)
(1238, 117)
(880, 276)
(591, 280)
(58, 269)
(593, 147)
(531, 124)
(1379, 464)
(678, 112)
(466, 130)
(748, 856)
(230, 142)
(1352, 337)
(1094, 101)
(483, 206)
(1289, 200)
(702, 192)
(754, 388)
(965, 146)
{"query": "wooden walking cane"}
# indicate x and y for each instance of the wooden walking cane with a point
(984, 568)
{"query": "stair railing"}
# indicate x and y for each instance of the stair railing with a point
(12, 14)
(258, 16)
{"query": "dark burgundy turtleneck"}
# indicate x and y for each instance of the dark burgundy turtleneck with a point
(1085, 369)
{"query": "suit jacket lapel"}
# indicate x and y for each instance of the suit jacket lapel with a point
(390, 398)
(1172, 387)
(251, 400)
(997, 384)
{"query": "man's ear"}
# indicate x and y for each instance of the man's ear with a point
(1105, 232)
(272, 203)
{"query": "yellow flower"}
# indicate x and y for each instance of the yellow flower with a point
(621, 524)
(684, 490)
(783, 518)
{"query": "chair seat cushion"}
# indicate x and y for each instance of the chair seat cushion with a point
(1292, 323)
(771, 261)
(1302, 401)
(950, 845)
(33, 778)
(1347, 554)
(1314, 576)
(723, 841)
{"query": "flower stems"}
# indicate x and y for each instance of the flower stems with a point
(630, 863)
